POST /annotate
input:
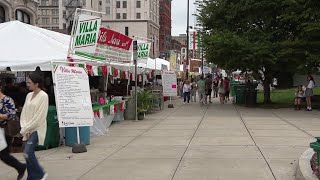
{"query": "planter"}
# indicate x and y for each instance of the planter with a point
(140, 116)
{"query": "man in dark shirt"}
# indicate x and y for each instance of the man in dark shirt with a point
(209, 87)
(11, 90)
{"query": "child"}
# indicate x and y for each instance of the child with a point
(299, 95)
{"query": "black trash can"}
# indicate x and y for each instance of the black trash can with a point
(251, 97)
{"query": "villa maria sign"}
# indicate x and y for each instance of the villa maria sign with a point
(86, 35)
(143, 50)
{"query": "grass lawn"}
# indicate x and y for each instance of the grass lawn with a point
(281, 98)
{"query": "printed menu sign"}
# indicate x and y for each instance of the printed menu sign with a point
(169, 83)
(73, 98)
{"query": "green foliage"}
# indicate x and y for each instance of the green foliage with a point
(268, 37)
(145, 101)
(283, 98)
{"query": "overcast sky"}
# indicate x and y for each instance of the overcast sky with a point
(179, 16)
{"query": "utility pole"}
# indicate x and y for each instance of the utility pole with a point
(187, 63)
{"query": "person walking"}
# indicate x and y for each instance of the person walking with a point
(309, 92)
(186, 92)
(208, 88)
(8, 112)
(227, 88)
(215, 88)
(193, 91)
(33, 122)
(221, 91)
(201, 90)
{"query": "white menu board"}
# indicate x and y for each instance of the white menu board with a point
(73, 98)
(169, 83)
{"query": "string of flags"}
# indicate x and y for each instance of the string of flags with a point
(113, 109)
(116, 73)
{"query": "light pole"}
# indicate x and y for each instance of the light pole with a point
(187, 63)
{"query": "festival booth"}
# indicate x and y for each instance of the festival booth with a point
(37, 49)
(65, 62)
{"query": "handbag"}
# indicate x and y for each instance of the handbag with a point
(12, 127)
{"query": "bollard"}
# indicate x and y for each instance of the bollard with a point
(316, 147)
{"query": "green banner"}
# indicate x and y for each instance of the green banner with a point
(144, 50)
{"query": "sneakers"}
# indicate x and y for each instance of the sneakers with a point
(45, 176)
(21, 172)
(309, 109)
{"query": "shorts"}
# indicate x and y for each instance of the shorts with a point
(309, 92)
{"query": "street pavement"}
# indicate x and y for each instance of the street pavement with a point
(189, 142)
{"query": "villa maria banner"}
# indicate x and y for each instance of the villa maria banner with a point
(143, 50)
(86, 34)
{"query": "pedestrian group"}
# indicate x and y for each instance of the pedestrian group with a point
(206, 87)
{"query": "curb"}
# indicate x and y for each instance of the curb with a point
(304, 171)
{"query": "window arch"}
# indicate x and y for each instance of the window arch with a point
(23, 16)
(2, 14)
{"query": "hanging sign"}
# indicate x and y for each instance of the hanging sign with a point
(86, 34)
(111, 46)
(143, 50)
(73, 98)
(169, 83)
(114, 46)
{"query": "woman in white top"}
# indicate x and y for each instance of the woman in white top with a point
(33, 122)
(309, 92)
(186, 91)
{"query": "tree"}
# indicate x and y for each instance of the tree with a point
(267, 37)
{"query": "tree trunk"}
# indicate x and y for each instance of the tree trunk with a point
(266, 90)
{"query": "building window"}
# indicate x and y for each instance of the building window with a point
(2, 15)
(22, 16)
(124, 4)
(108, 10)
(126, 30)
(118, 4)
(124, 15)
(138, 4)
(45, 21)
(100, 3)
(55, 11)
(138, 16)
(118, 16)
(55, 2)
(44, 3)
(55, 20)
(108, 1)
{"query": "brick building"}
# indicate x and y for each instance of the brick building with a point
(165, 28)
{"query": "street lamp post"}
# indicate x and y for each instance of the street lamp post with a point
(202, 58)
(187, 63)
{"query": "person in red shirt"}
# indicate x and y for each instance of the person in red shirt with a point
(227, 88)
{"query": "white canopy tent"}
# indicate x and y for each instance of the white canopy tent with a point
(25, 47)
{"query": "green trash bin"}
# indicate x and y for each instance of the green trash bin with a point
(233, 85)
(240, 94)
(53, 132)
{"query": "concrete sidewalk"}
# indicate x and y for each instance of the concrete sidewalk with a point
(191, 142)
